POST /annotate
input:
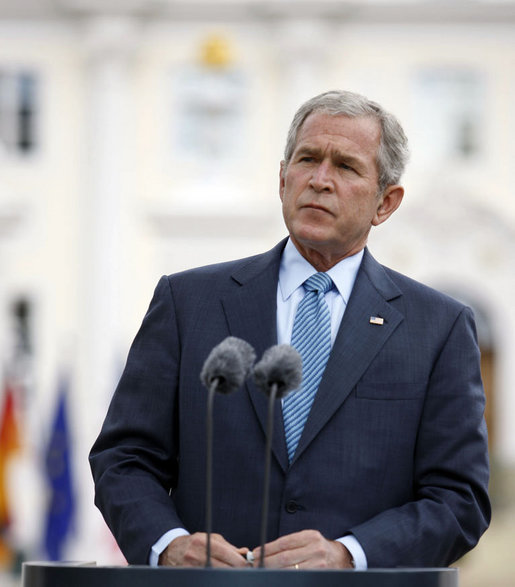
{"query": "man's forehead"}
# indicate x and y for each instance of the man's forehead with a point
(355, 133)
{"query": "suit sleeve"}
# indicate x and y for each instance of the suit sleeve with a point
(450, 509)
(134, 459)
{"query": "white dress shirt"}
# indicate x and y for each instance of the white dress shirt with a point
(293, 271)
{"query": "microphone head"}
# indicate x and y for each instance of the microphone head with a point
(228, 365)
(280, 365)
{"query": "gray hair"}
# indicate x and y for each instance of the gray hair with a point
(392, 154)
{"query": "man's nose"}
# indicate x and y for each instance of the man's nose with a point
(322, 178)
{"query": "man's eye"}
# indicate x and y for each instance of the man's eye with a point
(306, 159)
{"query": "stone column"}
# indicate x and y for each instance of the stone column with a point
(109, 44)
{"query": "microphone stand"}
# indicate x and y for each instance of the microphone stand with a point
(224, 371)
(209, 468)
(268, 454)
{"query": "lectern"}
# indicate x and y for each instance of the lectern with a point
(37, 574)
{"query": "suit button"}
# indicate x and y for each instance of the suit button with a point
(291, 507)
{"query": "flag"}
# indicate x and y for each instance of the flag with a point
(9, 444)
(61, 501)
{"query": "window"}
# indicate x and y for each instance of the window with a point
(449, 115)
(210, 114)
(18, 111)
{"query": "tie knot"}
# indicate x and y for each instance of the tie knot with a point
(318, 282)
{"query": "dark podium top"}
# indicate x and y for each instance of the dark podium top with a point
(36, 574)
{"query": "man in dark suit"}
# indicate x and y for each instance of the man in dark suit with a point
(391, 468)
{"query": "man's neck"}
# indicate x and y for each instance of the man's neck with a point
(323, 259)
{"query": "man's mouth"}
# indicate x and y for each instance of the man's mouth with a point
(312, 206)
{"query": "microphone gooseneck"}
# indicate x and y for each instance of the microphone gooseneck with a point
(278, 372)
(224, 371)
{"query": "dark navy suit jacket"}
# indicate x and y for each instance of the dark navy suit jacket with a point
(394, 450)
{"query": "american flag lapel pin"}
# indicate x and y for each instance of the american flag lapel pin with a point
(376, 320)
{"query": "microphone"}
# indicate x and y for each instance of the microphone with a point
(228, 365)
(278, 372)
(224, 371)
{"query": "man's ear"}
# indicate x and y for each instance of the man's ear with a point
(282, 171)
(389, 201)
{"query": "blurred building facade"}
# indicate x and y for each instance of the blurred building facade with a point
(142, 137)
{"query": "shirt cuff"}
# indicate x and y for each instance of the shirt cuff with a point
(356, 551)
(162, 543)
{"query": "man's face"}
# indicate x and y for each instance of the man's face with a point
(329, 188)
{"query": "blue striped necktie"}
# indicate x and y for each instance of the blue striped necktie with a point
(311, 336)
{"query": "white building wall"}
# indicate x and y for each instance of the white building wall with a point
(107, 204)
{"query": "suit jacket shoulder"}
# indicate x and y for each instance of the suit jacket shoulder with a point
(240, 270)
(414, 300)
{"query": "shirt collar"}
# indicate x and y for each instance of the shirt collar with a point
(294, 270)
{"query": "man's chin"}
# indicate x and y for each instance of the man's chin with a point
(309, 240)
(312, 236)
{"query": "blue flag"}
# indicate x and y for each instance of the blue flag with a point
(61, 502)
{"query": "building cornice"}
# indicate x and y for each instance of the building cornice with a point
(355, 11)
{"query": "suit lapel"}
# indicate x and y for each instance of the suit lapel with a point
(250, 308)
(357, 343)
